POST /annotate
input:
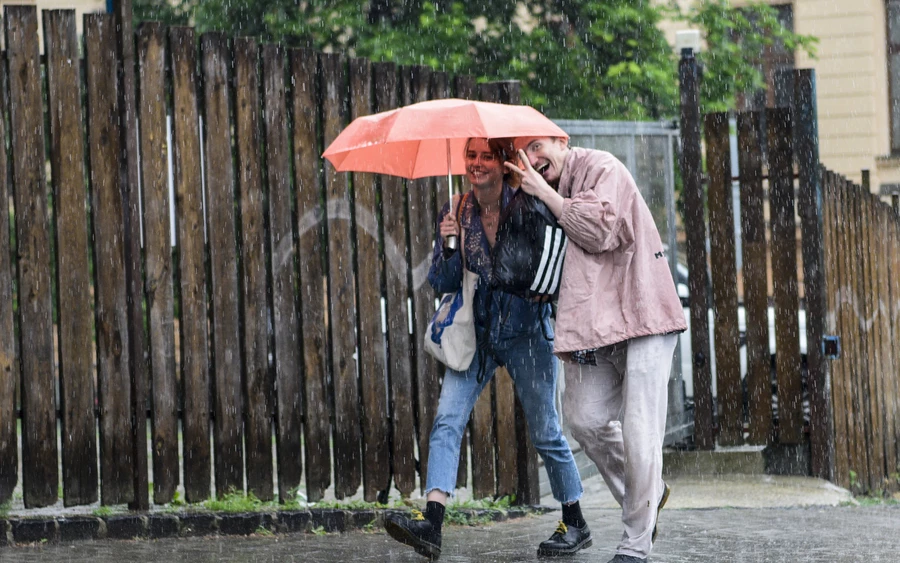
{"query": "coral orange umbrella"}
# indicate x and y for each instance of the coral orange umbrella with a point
(428, 138)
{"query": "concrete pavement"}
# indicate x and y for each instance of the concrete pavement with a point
(728, 519)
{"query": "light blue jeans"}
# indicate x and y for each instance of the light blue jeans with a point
(533, 367)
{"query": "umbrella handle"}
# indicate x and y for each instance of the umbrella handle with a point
(452, 242)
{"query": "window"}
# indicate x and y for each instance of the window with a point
(893, 64)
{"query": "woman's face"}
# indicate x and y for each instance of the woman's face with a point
(483, 167)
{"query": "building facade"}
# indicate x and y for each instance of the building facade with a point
(81, 7)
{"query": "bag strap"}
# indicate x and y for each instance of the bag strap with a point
(462, 231)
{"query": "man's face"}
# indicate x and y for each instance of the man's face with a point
(546, 155)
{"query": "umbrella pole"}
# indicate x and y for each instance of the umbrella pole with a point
(452, 241)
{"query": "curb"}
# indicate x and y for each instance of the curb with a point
(135, 526)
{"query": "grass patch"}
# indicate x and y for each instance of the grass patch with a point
(351, 505)
(238, 502)
(460, 513)
(103, 511)
(319, 531)
(265, 532)
(876, 499)
(459, 517)
(502, 503)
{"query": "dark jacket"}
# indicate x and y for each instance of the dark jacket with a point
(507, 316)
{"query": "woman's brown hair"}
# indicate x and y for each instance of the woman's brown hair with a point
(503, 149)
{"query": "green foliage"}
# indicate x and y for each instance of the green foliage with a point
(502, 503)
(350, 505)
(236, 502)
(733, 37)
(4, 508)
(178, 12)
(576, 58)
(103, 511)
(319, 531)
(265, 532)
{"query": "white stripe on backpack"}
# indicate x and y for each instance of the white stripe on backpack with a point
(547, 277)
(558, 268)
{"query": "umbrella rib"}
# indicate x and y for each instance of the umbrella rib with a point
(415, 160)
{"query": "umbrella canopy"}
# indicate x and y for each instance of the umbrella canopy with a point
(428, 138)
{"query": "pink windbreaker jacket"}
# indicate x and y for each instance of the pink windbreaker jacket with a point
(616, 282)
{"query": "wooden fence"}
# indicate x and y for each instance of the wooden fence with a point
(862, 237)
(745, 412)
(775, 160)
(260, 322)
(842, 401)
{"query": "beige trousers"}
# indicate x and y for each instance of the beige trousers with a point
(617, 412)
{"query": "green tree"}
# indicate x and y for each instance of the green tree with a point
(735, 38)
(576, 58)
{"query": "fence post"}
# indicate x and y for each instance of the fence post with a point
(128, 182)
(725, 302)
(810, 210)
(695, 227)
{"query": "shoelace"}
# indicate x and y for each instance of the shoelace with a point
(417, 515)
(562, 529)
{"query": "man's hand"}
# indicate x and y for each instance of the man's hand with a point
(533, 183)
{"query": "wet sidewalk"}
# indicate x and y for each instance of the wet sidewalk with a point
(726, 519)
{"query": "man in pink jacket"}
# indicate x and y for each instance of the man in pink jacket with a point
(616, 325)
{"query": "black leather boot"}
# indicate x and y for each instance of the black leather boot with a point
(415, 531)
(566, 540)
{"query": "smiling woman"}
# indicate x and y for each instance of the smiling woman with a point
(511, 331)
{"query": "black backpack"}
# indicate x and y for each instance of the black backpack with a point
(528, 254)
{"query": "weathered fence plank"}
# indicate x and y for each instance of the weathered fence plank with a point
(254, 328)
(190, 236)
(158, 285)
(373, 385)
(784, 273)
(76, 369)
(756, 293)
(402, 406)
(341, 286)
(873, 394)
(695, 229)
(9, 361)
(887, 375)
(39, 457)
(116, 447)
(805, 127)
(414, 88)
(834, 286)
(893, 310)
(724, 275)
(129, 183)
(311, 233)
(220, 227)
(285, 323)
(857, 330)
